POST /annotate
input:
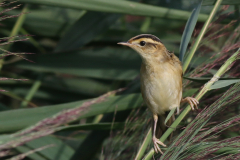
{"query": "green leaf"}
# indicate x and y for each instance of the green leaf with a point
(17, 119)
(105, 63)
(146, 141)
(119, 6)
(187, 33)
(223, 83)
(200, 36)
(83, 31)
(85, 86)
(60, 150)
(189, 92)
(169, 115)
(24, 149)
(47, 21)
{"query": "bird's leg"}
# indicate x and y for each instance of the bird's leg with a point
(192, 101)
(156, 142)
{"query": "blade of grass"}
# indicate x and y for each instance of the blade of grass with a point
(204, 90)
(30, 152)
(187, 33)
(169, 115)
(200, 36)
(98, 118)
(60, 151)
(224, 83)
(144, 145)
(18, 25)
(146, 24)
(15, 30)
(119, 6)
(32, 91)
(33, 41)
(24, 149)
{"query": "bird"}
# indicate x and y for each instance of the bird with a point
(161, 82)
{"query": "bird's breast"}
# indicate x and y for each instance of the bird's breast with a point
(161, 89)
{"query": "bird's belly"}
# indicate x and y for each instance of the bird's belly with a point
(162, 94)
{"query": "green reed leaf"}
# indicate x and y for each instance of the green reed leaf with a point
(187, 33)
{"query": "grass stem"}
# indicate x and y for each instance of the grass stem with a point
(32, 91)
(144, 145)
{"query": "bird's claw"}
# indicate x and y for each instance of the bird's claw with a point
(157, 142)
(192, 101)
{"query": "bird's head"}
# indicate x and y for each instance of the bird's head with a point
(147, 45)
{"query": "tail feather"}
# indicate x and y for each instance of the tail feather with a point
(161, 127)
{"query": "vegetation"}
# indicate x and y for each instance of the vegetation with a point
(68, 91)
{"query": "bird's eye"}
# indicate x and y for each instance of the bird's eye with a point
(142, 43)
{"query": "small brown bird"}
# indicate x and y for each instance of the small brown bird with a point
(161, 82)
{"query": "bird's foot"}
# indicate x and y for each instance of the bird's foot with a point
(192, 101)
(156, 142)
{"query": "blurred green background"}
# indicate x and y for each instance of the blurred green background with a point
(76, 58)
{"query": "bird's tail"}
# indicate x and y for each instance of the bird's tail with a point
(162, 127)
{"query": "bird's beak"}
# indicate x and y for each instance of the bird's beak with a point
(124, 43)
